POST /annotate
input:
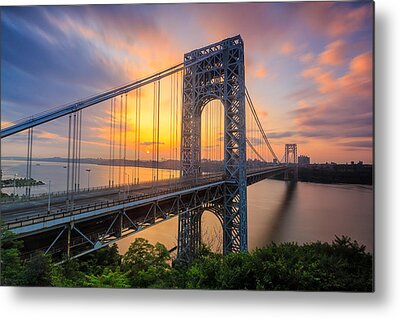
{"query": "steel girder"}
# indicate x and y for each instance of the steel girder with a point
(78, 237)
(221, 76)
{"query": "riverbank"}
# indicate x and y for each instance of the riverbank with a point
(20, 182)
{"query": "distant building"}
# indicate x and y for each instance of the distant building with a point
(303, 160)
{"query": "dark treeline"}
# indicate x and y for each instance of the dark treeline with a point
(351, 174)
(342, 265)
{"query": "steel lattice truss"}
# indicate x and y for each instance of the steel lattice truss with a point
(77, 235)
(220, 76)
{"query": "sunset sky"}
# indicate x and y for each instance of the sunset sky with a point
(308, 66)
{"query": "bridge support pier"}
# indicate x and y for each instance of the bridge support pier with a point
(189, 234)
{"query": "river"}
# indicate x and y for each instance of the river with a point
(277, 210)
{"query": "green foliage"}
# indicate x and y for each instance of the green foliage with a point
(342, 265)
(39, 271)
(69, 274)
(146, 265)
(12, 271)
(107, 257)
(108, 279)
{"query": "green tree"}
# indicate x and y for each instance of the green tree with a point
(145, 264)
(39, 270)
(12, 269)
(108, 279)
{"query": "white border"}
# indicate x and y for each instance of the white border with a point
(58, 302)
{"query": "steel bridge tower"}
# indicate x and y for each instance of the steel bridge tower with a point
(291, 159)
(220, 75)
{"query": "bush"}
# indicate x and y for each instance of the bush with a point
(343, 265)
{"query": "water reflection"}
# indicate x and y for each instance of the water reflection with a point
(277, 211)
(55, 171)
(288, 212)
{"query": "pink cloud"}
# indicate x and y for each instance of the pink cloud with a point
(261, 72)
(307, 57)
(324, 80)
(334, 19)
(287, 48)
(359, 78)
(333, 54)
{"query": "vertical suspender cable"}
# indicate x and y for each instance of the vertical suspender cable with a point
(138, 147)
(170, 125)
(152, 143)
(114, 140)
(135, 133)
(158, 125)
(30, 162)
(125, 123)
(80, 148)
(120, 143)
(69, 158)
(110, 136)
(220, 136)
(73, 159)
(27, 160)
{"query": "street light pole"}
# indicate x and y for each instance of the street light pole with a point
(15, 175)
(88, 178)
(128, 183)
(48, 203)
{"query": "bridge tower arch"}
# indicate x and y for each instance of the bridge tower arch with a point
(218, 74)
(291, 159)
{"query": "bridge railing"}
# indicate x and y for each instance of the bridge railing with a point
(60, 213)
(40, 196)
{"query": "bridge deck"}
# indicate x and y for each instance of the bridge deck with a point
(102, 217)
(20, 214)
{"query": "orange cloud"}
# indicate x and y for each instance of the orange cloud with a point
(334, 20)
(333, 54)
(261, 72)
(5, 123)
(362, 64)
(325, 81)
(287, 48)
(359, 78)
(349, 22)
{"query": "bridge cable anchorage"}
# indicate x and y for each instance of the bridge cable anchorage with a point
(250, 102)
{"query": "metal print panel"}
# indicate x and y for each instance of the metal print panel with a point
(189, 146)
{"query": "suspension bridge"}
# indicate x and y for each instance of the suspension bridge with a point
(197, 122)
